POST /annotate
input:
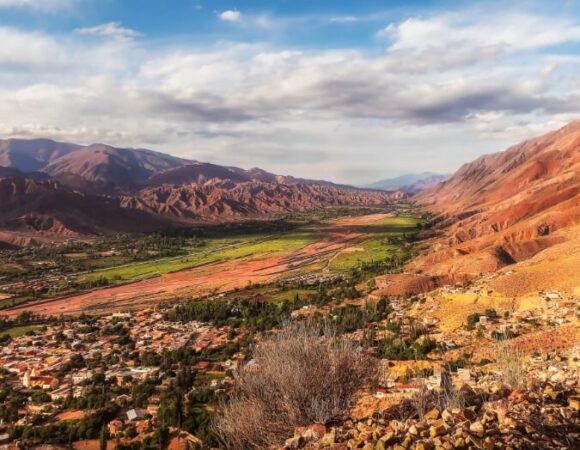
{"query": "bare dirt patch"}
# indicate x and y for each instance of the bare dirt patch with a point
(70, 415)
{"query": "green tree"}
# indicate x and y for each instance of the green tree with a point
(103, 435)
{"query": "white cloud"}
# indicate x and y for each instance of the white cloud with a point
(21, 48)
(110, 30)
(508, 31)
(231, 15)
(253, 21)
(301, 111)
(344, 19)
(44, 5)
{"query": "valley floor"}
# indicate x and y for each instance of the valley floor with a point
(312, 253)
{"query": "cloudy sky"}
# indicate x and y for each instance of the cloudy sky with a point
(346, 90)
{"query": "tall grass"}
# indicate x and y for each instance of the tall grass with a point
(510, 361)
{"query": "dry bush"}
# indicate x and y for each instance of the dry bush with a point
(422, 401)
(302, 375)
(451, 399)
(509, 360)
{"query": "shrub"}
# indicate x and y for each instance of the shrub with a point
(421, 400)
(509, 359)
(472, 320)
(302, 375)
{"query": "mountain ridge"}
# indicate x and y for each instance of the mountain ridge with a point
(506, 208)
(140, 190)
(411, 183)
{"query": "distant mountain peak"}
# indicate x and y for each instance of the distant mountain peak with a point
(411, 183)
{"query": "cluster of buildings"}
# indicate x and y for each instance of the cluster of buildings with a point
(44, 364)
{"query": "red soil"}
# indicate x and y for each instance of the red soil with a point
(506, 208)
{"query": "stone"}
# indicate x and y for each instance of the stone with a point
(477, 428)
(433, 414)
(387, 438)
(423, 445)
(467, 414)
(488, 443)
(550, 392)
(319, 429)
(437, 430)
(447, 416)
(309, 435)
(574, 403)
(328, 439)
(517, 396)
(293, 442)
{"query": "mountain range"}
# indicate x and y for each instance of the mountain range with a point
(53, 190)
(410, 183)
(514, 213)
(498, 211)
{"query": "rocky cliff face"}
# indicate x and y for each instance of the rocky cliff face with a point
(506, 207)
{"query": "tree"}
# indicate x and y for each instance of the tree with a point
(170, 412)
(103, 435)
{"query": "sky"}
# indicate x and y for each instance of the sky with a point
(345, 90)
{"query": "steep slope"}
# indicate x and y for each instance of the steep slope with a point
(46, 208)
(220, 200)
(199, 173)
(10, 172)
(31, 155)
(507, 207)
(196, 172)
(103, 165)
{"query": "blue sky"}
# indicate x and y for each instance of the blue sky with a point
(351, 91)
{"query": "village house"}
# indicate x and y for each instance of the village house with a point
(31, 380)
(136, 414)
(115, 427)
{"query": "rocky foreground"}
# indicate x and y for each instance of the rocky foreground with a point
(544, 413)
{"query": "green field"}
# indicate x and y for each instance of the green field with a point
(216, 250)
(12, 301)
(271, 293)
(289, 295)
(372, 248)
(377, 246)
(20, 331)
(342, 245)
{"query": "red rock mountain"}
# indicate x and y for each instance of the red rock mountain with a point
(507, 207)
(47, 207)
(105, 166)
(97, 189)
(34, 154)
(229, 200)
